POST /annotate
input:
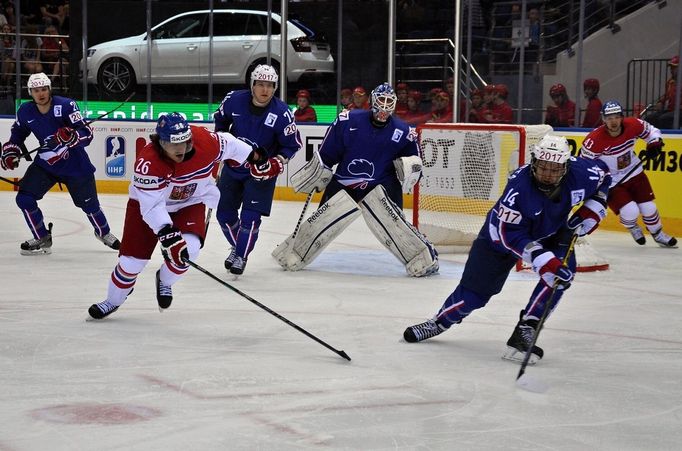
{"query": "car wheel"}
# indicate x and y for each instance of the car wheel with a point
(116, 77)
(247, 79)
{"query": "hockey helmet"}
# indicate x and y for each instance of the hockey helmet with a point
(674, 61)
(557, 90)
(38, 80)
(360, 91)
(591, 83)
(550, 149)
(263, 72)
(502, 90)
(611, 107)
(489, 89)
(383, 102)
(173, 128)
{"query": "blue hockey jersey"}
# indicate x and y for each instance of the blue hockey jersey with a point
(274, 129)
(365, 153)
(524, 214)
(63, 112)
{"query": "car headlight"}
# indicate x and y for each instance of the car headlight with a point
(91, 52)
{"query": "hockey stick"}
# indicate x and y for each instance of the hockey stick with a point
(525, 382)
(267, 309)
(11, 182)
(26, 154)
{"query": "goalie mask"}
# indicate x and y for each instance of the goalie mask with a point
(549, 163)
(383, 102)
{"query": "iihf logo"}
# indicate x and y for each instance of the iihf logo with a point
(115, 162)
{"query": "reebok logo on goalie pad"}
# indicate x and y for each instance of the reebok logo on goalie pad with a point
(318, 213)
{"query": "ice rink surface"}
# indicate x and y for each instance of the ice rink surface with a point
(215, 372)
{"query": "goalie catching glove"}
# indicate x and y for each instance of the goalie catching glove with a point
(9, 159)
(173, 246)
(408, 170)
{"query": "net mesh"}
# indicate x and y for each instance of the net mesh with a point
(465, 171)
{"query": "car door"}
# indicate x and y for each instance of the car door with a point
(235, 37)
(175, 49)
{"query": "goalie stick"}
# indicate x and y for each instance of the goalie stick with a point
(26, 154)
(267, 309)
(526, 382)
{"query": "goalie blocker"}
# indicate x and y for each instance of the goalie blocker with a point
(385, 220)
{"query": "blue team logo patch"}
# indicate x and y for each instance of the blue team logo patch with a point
(115, 161)
(271, 119)
(577, 196)
(57, 110)
(397, 134)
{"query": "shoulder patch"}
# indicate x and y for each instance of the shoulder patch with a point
(343, 115)
(270, 120)
(397, 135)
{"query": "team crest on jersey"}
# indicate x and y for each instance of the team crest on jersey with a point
(397, 134)
(577, 196)
(271, 119)
(183, 192)
(115, 157)
(57, 111)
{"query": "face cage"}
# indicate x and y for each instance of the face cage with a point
(383, 107)
(546, 187)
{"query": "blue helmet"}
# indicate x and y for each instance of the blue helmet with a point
(611, 107)
(383, 101)
(173, 128)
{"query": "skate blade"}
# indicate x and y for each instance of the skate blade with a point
(514, 355)
(47, 251)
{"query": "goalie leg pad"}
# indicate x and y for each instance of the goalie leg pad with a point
(314, 176)
(387, 222)
(316, 232)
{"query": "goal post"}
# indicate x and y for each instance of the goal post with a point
(465, 171)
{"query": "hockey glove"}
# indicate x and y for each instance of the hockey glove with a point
(9, 159)
(554, 272)
(586, 219)
(258, 155)
(270, 169)
(173, 246)
(67, 137)
(654, 149)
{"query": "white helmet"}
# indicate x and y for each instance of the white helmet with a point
(263, 72)
(554, 149)
(38, 80)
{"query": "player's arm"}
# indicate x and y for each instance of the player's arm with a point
(652, 136)
(332, 147)
(148, 187)
(587, 218)
(10, 153)
(74, 132)
(288, 137)
(408, 167)
(222, 118)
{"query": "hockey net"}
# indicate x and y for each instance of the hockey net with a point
(465, 171)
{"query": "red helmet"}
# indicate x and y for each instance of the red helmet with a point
(359, 90)
(502, 90)
(557, 89)
(416, 95)
(591, 83)
(303, 93)
(489, 89)
(402, 87)
(674, 61)
(442, 95)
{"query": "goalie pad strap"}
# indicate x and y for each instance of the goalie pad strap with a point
(388, 224)
(316, 232)
(314, 176)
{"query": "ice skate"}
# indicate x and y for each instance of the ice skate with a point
(229, 261)
(40, 246)
(164, 293)
(101, 310)
(520, 341)
(109, 241)
(664, 240)
(238, 266)
(637, 235)
(422, 331)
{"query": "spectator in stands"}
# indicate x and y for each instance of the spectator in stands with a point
(53, 13)
(414, 114)
(9, 48)
(488, 94)
(55, 54)
(360, 99)
(562, 113)
(498, 111)
(401, 91)
(592, 117)
(663, 114)
(441, 110)
(30, 52)
(346, 98)
(304, 112)
(450, 87)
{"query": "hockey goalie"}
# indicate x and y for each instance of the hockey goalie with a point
(376, 158)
